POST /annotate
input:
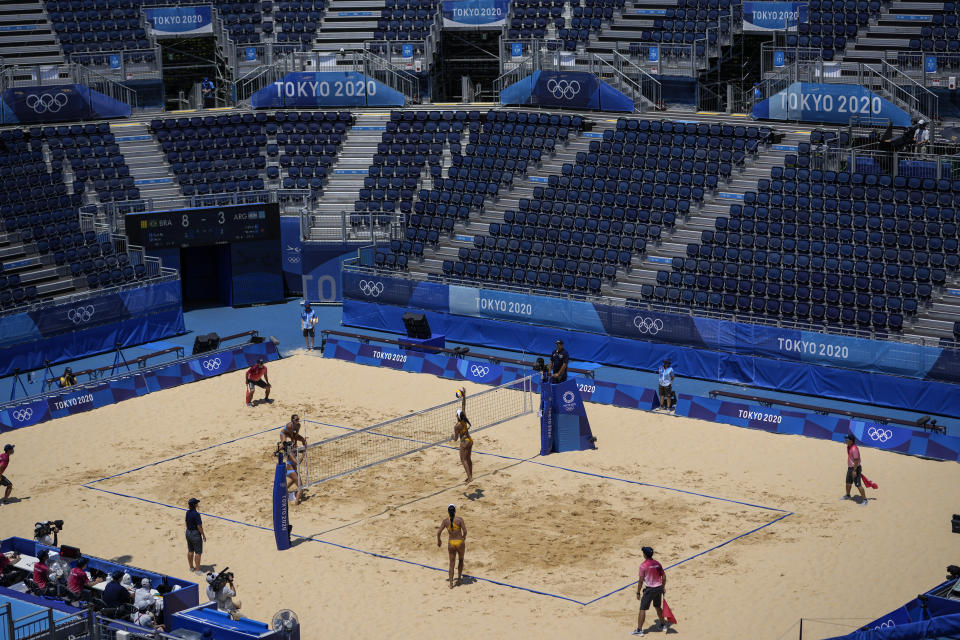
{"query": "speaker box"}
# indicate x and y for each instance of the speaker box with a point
(206, 342)
(417, 326)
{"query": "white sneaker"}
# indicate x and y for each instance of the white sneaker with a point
(637, 632)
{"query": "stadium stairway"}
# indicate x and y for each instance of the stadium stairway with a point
(890, 32)
(341, 27)
(26, 35)
(148, 165)
(479, 222)
(643, 269)
(346, 179)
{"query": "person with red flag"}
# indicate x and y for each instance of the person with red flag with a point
(854, 469)
(650, 590)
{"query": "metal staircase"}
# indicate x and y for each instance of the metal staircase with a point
(149, 169)
(26, 35)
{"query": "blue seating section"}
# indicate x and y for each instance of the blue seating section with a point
(406, 19)
(297, 21)
(529, 18)
(941, 36)
(228, 153)
(859, 249)
(41, 218)
(832, 24)
(94, 157)
(88, 26)
(594, 217)
(689, 23)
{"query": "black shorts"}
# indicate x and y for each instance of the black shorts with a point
(665, 392)
(308, 332)
(256, 383)
(4, 482)
(194, 541)
(651, 595)
(854, 475)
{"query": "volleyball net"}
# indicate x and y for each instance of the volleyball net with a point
(344, 454)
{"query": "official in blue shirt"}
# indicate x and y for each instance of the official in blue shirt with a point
(559, 360)
(206, 89)
(195, 536)
(308, 320)
(668, 400)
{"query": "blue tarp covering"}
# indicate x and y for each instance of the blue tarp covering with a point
(942, 627)
(836, 103)
(93, 325)
(59, 103)
(566, 90)
(762, 356)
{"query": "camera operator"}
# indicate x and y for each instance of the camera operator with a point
(541, 367)
(46, 532)
(221, 589)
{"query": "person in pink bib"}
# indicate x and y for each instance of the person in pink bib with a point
(653, 582)
(854, 469)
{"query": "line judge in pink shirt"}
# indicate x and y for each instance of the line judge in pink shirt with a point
(854, 470)
(653, 581)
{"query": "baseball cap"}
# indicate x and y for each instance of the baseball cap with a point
(647, 551)
(193, 501)
(559, 341)
(259, 360)
(7, 447)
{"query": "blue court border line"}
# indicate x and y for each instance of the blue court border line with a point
(785, 514)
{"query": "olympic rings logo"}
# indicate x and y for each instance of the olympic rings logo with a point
(22, 415)
(568, 397)
(889, 624)
(879, 435)
(566, 89)
(650, 326)
(47, 103)
(293, 259)
(479, 371)
(78, 315)
(371, 288)
(212, 364)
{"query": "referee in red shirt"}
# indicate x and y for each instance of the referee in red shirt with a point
(257, 377)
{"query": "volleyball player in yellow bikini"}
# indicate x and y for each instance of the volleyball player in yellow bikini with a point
(456, 541)
(462, 432)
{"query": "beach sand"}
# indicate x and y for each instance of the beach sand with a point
(681, 486)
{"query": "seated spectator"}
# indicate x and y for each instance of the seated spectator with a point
(79, 579)
(145, 619)
(144, 600)
(115, 595)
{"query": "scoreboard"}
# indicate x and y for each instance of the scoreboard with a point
(204, 226)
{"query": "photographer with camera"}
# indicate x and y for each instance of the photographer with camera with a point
(46, 532)
(222, 590)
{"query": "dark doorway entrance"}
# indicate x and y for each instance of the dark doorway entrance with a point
(474, 54)
(206, 276)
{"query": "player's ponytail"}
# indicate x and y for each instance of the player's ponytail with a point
(452, 510)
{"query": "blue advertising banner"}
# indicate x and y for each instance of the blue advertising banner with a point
(653, 53)
(835, 103)
(319, 264)
(179, 21)
(474, 14)
(73, 330)
(779, 59)
(115, 61)
(292, 254)
(250, 54)
(777, 420)
(57, 103)
(930, 64)
(790, 360)
(773, 16)
(132, 384)
(516, 49)
(326, 89)
(565, 89)
(407, 51)
(281, 506)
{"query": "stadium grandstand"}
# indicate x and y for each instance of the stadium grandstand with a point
(738, 217)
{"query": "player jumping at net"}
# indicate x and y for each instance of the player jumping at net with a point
(462, 432)
(456, 541)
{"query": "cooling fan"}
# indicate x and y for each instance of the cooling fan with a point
(285, 621)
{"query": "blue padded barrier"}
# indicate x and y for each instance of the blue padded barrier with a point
(79, 328)
(28, 412)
